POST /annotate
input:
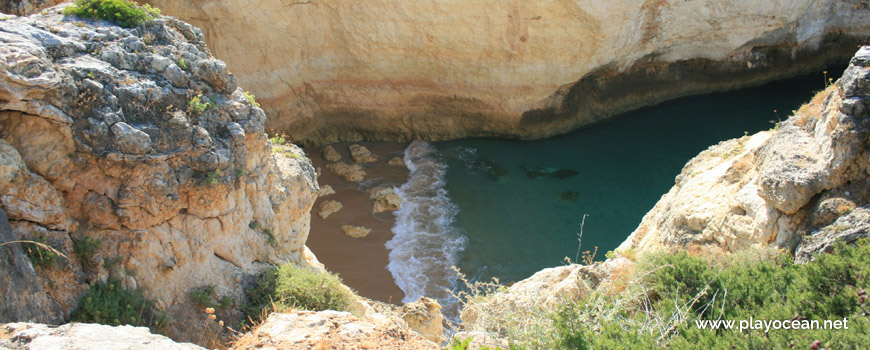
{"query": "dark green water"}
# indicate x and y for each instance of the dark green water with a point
(517, 225)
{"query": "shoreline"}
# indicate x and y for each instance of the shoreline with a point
(360, 262)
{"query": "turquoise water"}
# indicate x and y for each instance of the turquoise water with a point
(520, 203)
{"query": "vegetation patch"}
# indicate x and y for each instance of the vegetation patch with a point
(110, 304)
(207, 297)
(37, 252)
(120, 12)
(661, 304)
(293, 287)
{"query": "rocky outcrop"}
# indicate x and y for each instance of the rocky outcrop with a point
(424, 317)
(384, 199)
(140, 140)
(330, 154)
(328, 71)
(79, 336)
(25, 7)
(778, 187)
(331, 330)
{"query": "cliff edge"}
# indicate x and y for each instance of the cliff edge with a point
(134, 153)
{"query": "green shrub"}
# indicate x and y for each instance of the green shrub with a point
(86, 248)
(108, 303)
(39, 256)
(207, 298)
(199, 104)
(293, 287)
(121, 12)
(678, 289)
(252, 99)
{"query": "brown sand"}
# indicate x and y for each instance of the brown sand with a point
(361, 262)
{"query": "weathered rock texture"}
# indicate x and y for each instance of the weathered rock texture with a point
(331, 330)
(99, 138)
(424, 317)
(25, 7)
(83, 336)
(23, 297)
(779, 187)
(395, 70)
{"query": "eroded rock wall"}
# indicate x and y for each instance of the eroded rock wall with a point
(391, 70)
(785, 187)
(140, 140)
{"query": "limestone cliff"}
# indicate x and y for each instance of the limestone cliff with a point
(395, 70)
(138, 145)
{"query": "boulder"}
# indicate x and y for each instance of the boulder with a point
(397, 161)
(384, 199)
(325, 190)
(327, 208)
(361, 154)
(347, 172)
(330, 154)
(355, 231)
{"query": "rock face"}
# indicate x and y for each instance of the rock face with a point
(331, 330)
(25, 7)
(81, 336)
(424, 317)
(104, 133)
(780, 187)
(391, 70)
(23, 298)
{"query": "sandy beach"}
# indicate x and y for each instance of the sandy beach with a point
(361, 262)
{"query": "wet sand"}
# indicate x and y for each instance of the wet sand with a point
(361, 262)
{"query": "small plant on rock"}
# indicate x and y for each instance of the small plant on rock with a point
(251, 98)
(39, 255)
(121, 12)
(199, 104)
(109, 303)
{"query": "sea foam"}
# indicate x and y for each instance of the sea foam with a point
(426, 244)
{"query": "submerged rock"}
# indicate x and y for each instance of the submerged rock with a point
(397, 161)
(328, 208)
(569, 196)
(492, 169)
(347, 172)
(355, 231)
(554, 173)
(361, 154)
(384, 199)
(325, 190)
(330, 154)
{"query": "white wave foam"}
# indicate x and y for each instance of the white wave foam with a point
(425, 244)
